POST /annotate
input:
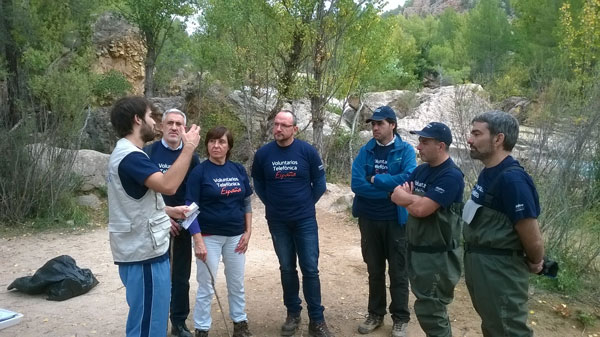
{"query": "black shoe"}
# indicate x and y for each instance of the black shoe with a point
(370, 324)
(240, 329)
(291, 324)
(180, 330)
(319, 329)
(201, 333)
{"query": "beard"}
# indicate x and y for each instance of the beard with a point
(147, 133)
(475, 154)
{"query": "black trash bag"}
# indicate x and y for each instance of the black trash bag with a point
(59, 278)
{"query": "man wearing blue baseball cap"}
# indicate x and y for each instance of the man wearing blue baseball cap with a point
(433, 197)
(382, 164)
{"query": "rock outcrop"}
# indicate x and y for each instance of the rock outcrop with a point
(436, 7)
(99, 134)
(119, 47)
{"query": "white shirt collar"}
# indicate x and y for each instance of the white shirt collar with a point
(391, 141)
(162, 140)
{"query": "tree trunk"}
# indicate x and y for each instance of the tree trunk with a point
(286, 80)
(317, 101)
(149, 64)
(11, 54)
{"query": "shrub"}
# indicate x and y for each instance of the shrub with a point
(110, 86)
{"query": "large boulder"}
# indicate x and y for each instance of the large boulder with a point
(254, 112)
(92, 167)
(119, 47)
(337, 198)
(453, 105)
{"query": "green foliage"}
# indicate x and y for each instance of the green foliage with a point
(36, 183)
(339, 159)
(216, 112)
(110, 86)
(587, 319)
(581, 40)
(569, 280)
(488, 38)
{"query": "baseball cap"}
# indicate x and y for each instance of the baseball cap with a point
(437, 131)
(382, 113)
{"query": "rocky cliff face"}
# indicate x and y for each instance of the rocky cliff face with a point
(436, 7)
(119, 46)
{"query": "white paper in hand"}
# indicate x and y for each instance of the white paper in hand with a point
(190, 215)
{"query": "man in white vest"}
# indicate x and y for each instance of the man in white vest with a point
(138, 218)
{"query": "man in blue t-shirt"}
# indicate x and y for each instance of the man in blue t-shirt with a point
(289, 178)
(164, 153)
(503, 243)
(382, 164)
(139, 221)
(433, 197)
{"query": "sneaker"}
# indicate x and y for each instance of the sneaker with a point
(291, 324)
(180, 330)
(240, 329)
(319, 329)
(370, 324)
(201, 333)
(399, 329)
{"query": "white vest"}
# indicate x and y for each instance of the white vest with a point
(138, 228)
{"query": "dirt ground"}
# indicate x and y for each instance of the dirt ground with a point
(102, 311)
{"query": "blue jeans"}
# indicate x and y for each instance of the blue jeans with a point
(299, 239)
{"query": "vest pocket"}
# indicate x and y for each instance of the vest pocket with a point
(159, 230)
(119, 227)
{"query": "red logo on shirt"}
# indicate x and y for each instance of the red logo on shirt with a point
(225, 191)
(280, 175)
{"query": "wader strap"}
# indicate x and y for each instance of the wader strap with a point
(492, 251)
(491, 191)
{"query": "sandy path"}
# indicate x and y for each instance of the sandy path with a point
(103, 310)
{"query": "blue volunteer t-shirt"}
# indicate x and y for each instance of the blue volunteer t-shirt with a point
(288, 174)
(443, 184)
(164, 157)
(134, 169)
(377, 209)
(516, 195)
(219, 191)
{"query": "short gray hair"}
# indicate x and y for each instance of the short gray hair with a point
(501, 122)
(175, 111)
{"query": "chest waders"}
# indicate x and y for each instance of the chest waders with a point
(434, 264)
(496, 272)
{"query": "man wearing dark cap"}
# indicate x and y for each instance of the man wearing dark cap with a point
(433, 197)
(382, 164)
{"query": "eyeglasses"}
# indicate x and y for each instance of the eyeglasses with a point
(283, 126)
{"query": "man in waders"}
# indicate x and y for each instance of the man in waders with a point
(503, 243)
(433, 197)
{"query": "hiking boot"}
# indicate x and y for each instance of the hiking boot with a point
(180, 330)
(319, 329)
(370, 324)
(240, 329)
(399, 329)
(201, 333)
(291, 324)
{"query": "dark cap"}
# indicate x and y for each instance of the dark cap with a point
(437, 131)
(381, 113)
